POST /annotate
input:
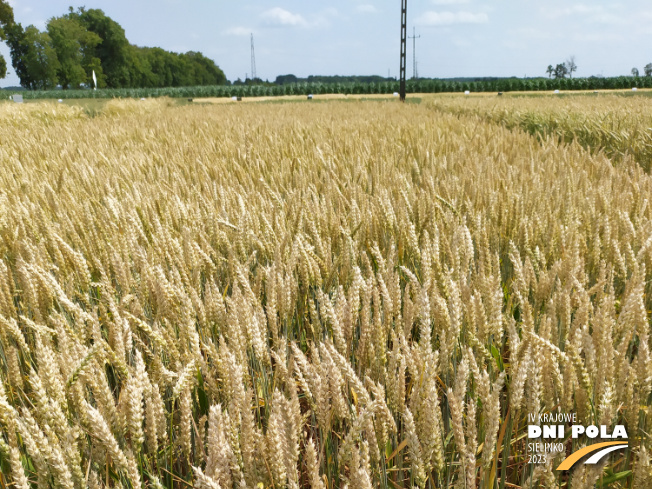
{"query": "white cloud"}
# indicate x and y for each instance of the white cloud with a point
(366, 9)
(580, 9)
(282, 17)
(432, 18)
(606, 18)
(238, 31)
(594, 38)
(592, 13)
(449, 2)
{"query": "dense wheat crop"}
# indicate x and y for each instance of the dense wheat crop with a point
(318, 296)
(618, 126)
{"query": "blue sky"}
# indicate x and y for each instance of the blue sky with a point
(458, 37)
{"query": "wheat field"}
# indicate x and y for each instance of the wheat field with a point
(617, 125)
(337, 295)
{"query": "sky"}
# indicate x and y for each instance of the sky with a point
(458, 38)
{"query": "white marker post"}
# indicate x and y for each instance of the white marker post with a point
(94, 81)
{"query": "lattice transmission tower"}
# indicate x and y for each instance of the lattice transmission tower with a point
(253, 59)
(414, 37)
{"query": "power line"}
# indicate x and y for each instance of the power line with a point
(253, 59)
(414, 38)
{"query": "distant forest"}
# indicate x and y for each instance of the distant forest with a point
(86, 40)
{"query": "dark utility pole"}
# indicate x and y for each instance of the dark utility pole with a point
(403, 47)
(414, 38)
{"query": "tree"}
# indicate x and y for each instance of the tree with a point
(160, 73)
(648, 69)
(206, 71)
(74, 45)
(635, 72)
(33, 57)
(114, 50)
(550, 71)
(561, 70)
(286, 79)
(6, 21)
(571, 66)
(83, 41)
(6, 15)
(14, 34)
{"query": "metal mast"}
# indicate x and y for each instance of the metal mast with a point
(414, 38)
(253, 59)
(403, 47)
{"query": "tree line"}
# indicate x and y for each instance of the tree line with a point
(293, 79)
(84, 41)
(647, 70)
(421, 85)
(568, 67)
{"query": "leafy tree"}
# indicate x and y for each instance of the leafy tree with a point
(160, 72)
(571, 66)
(14, 34)
(648, 69)
(167, 69)
(114, 51)
(137, 71)
(83, 41)
(182, 71)
(285, 79)
(550, 71)
(635, 72)
(34, 59)
(6, 21)
(6, 15)
(206, 71)
(561, 70)
(74, 45)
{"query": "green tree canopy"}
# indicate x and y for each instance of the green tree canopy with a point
(113, 51)
(33, 57)
(126, 65)
(159, 68)
(74, 45)
(205, 70)
(6, 21)
(285, 79)
(561, 70)
(83, 41)
(6, 17)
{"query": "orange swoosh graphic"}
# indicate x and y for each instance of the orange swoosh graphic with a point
(574, 457)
